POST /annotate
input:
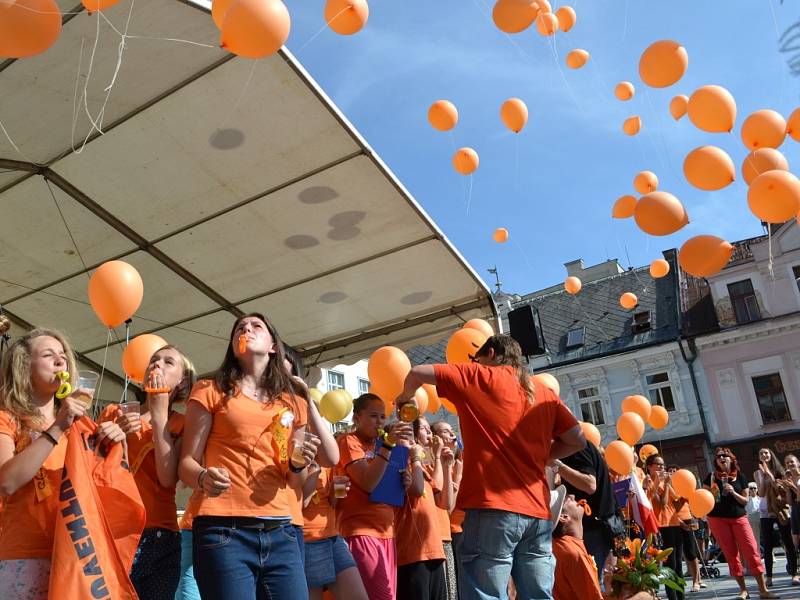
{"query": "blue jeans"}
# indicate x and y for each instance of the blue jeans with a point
(497, 544)
(187, 588)
(232, 560)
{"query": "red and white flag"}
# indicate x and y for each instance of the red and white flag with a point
(642, 508)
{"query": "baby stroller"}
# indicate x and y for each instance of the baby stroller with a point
(710, 560)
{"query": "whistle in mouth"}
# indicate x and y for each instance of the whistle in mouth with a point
(242, 344)
(65, 389)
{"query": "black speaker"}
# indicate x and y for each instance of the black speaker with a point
(527, 330)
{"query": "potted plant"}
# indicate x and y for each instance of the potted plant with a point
(640, 568)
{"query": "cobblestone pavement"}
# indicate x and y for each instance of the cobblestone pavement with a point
(725, 586)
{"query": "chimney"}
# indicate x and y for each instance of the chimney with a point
(574, 267)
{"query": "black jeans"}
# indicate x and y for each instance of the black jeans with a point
(768, 543)
(422, 581)
(673, 538)
(157, 564)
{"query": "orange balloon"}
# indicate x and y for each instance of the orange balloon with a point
(663, 63)
(434, 404)
(774, 196)
(513, 17)
(387, 395)
(137, 353)
(624, 207)
(443, 115)
(591, 433)
(548, 381)
(255, 28)
(659, 417)
(632, 125)
(762, 160)
(514, 114)
(346, 17)
(218, 10)
(659, 268)
(115, 292)
(764, 129)
(465, 160)
(684, 483)
(421, 398)
(566, 18)
(624, 90)
(577, 58)
(646, 451)
(480, 325)
(500, 235)
(28, 27)
(678, 107)
(701, 503)
(709, 168)
(546, 23)
(95, 5)
(630, 428)
(793, 125)
(645, 182)
(449, 406)
(704, 255)
(660, 213)
(387, 369)
(572, 285)
(637, 404)
(619, 456)
(463, 344)
(628, 300)
(542, 5)
(713, 109)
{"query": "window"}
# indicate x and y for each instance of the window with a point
(341, 427)
(641, 322)
(796, 273)
(771, 398)
(591, 406)
(363, 386)
(335, 380)
(660, 390)
(743, 299)
(575, 337)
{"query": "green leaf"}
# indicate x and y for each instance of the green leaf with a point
(635, 579)
(651, 581)
(663, 554)
(678, 587)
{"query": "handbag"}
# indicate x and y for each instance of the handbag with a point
(613, 527)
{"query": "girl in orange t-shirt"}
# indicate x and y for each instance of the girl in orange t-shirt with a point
(238, 449)
(658, 487)
(154, 443)
(420, 552)
(33, 447)
(450, 520)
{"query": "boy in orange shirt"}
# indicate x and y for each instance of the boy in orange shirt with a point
(576, 573)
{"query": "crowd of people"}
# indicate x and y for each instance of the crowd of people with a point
(393, 508)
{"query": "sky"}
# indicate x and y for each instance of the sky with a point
(553, 184)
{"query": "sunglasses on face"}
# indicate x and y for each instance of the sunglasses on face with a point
(723, 455)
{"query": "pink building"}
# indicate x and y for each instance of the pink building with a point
(750, 350)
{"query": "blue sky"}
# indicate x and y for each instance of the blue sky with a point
(553, 184)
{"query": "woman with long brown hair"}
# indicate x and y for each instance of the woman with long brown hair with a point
(511, 428)
(238, 449)
(728, 521)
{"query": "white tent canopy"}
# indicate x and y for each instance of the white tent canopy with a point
(231, 185)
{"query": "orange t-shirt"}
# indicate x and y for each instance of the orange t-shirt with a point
(665, 515)
(159, 501)
(576, 573)
(418, 534)
(356, 514)
(506, 438)
(457, 520)
(248, 438)
(27, 523)
(319, 515)
(443, 520)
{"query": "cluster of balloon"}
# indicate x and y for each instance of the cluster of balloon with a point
(28, 27)
(572, 285)
(500, 235)
(115, 292)
(387, 369)
(515, 16)
(137, 353)
(684, 483)
(636, 412)
(335, 405)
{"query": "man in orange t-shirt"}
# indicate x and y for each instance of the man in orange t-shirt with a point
(510, 430)
(576, 572)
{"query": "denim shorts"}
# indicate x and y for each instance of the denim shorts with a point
(325, 559)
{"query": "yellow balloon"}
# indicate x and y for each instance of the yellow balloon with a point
(336, 405)
(316, 395)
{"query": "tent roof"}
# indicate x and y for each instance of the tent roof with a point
(231, 185)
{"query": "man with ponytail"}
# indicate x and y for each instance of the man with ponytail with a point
(511, 427)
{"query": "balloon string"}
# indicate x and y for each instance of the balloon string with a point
(552, 44)
(17, 148)
(469, 193)
(147, 37)
(103, 368)
(625, 26)
(38, 12)
(323, 28)
(66, 226)
(240, 98)
(661, 136)
(127, 341)
(524, 256)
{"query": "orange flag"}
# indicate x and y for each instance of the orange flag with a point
(99, 522)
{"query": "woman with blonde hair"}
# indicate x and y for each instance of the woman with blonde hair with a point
(32, 451)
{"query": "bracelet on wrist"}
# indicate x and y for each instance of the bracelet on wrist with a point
(383, 457)
(49, 436)
(387, 444)
(201, 477)
(294, 469)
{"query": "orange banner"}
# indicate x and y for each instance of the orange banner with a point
(99, 522)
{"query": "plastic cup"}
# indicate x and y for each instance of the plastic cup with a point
(340, 483)
(130, 408)
(87, 384)
(298, 439)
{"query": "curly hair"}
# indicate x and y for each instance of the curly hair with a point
(508, 352)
